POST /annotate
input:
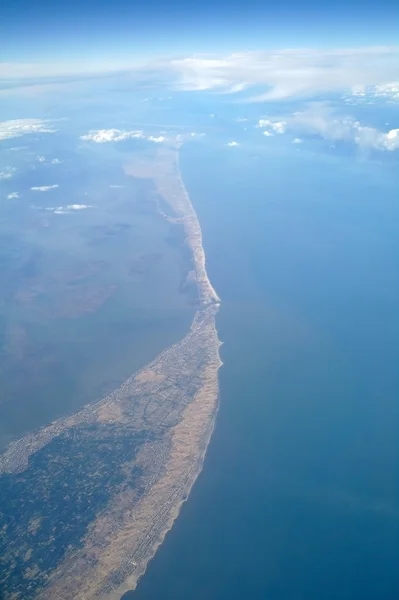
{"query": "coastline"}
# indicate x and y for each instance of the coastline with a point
(125, 536)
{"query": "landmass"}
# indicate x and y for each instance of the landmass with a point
(87, 500)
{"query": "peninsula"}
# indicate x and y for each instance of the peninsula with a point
(87, 500)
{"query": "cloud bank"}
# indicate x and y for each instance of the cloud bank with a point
(293, 72)
(276, 75)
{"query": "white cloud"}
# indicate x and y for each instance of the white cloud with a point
(319, 119)
(102, 136)
(19, 127)
(40, 158)
(157, 140)
(268, 133)
(13, 196)
(297, 141)
(56, 161)
(44, 188)
(274, 126)
(7, 173)
(78, 206)
(292, 72)
(116, 186)
(233, 143)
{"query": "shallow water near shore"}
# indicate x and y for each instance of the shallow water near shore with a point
(297, 497)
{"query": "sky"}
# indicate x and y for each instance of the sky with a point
(256, 52)
(92, 31)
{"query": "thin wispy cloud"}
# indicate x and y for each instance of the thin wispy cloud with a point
(232, 144)
(13, 196)
(44, 188)
(7, 173)
(64, 210)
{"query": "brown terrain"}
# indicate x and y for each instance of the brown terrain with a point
(130, 459)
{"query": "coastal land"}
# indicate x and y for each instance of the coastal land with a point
(87, 500)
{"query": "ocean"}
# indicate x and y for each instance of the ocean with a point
(298, 498)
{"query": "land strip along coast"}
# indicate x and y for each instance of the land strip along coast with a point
(87, 500)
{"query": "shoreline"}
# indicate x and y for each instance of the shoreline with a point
(132, 582)
(176, 399)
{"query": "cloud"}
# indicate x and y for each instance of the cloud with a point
(78, 206)
(361, 93)
(288, 73)
(18, 127)
(278, 74)
(387, 90)
(297, 141)
(64, 210)
(275, 126)
(102, 136)
(44, 188)
(320, 119)
(7, 173)
(53, 161)
(233, 143)
(157, 140)
(13, 196)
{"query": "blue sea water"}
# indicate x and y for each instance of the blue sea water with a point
(298, 498)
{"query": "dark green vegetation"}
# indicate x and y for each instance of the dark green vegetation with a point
(48, 508)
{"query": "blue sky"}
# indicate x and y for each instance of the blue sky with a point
(93, 30)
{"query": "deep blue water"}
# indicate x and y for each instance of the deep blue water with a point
(298, 499)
